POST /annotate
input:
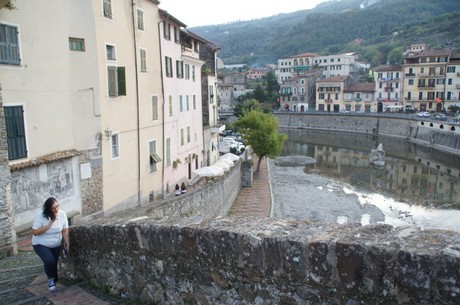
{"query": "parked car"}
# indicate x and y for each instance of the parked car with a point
(344, 111)
(440, 117)
(423, 114)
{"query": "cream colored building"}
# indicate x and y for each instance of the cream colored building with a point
(329, 93)
(453, 81)
(332, 65)
(131, 100)
(425, 79)
(83, 96)
(50, 89)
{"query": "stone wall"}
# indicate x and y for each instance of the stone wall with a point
(7, 232)
(91, 184)
(266, 261)
(440, 135)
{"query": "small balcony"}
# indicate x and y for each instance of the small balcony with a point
(217, 129)
(410, 74)
(388, 89)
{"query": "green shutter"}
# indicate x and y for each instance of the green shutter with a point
(16, 137)
(121, 77)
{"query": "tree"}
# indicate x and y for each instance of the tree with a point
(260, 131)
(395, 56)
(248, 105)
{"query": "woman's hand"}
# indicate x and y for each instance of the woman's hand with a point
(43, 229)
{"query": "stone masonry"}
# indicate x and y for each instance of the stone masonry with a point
(267, 261)
(7, 232)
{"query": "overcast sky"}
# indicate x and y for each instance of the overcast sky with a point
(208, 12)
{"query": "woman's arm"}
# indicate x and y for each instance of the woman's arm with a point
(65, 235)
(43, 229)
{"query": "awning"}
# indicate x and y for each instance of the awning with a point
(155, 158)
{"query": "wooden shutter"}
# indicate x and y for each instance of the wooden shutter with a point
(112, 80)
(121, 78)
(16, 136)
(9, 46)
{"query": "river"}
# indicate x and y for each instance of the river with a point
(417, 186)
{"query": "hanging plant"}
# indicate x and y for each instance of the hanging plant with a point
(194, 156)
(187, 159)
(176, 162)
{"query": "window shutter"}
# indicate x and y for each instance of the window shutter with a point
(9, 46)
(16, 137)
(121, 78)
(112, 80)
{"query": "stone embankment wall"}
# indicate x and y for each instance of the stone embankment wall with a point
(267, 261)
(443, 136)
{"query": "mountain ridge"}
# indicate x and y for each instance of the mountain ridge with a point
(331, 26)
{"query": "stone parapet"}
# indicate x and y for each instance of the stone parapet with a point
(267, 261)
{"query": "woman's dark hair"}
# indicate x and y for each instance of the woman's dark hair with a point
(47, 212)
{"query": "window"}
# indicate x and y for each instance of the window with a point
(193, 73)
(116, 80)
(115, 146)
(187, 71)
(451, 69)
(76, 44)
(140, 19)
(211, 94)
(170, 106)
(181, 104)
(194, 102)
(411, 82)
(449, 81)
(15, 130)
(179, 69)
(154, 108)
(166, 30)
(188, 134)
(176, 34)
(187, 102)
(107, 7)
(110, 52)
(182, 136)
(168, 65)
(153, 157)
(143, 59)
(9, 45)
(168, 151)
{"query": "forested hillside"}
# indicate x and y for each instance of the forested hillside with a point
(332, 27)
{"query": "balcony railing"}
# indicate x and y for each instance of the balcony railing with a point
(389, 89)
(410, 74)
(426, 87)
(387, 80)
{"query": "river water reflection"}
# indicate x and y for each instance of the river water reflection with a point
(412, 174)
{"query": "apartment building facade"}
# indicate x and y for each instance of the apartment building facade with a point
(332, 65)
(183, 122)
(452, 96)
(84, 118)
(210, 100)
(298, 93)
(359, 97)
(425, 79)
(388, 87)
(52, 107)
(329, 93)
(230, 87)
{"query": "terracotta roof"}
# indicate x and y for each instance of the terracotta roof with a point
(45, 159)
(388, 68)
(334, 79)
(360, 87)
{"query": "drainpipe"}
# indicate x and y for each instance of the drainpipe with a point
(138, 109)
(164, 115)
